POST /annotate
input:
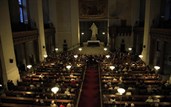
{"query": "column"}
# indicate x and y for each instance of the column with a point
(146, 40)
(64, 16)
(53, 17)
(134, 17)
(75, 30)
(36, 14)
(7, 55)
(152, 10)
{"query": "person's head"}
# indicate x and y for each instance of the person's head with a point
(132, 105)
(52, 101)
(149, 97)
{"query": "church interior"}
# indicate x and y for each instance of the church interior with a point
(85, 53)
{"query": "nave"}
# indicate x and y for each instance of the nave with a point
(84, 80)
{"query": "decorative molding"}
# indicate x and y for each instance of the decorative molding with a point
(138, 30)
(161, 31)
(119, 30)
(49, 32)
(24, 36)
(157, 33)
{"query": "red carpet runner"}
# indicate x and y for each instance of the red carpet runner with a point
(90, 96)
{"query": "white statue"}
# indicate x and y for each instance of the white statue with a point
(94, 30)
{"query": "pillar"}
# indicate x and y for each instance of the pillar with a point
(36, 14)
(7, 55)
(65, 17)
(53, 18)
(146, 38)
(75, 30)
(152, 10)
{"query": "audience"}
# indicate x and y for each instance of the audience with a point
(53, 104)
(150, 99)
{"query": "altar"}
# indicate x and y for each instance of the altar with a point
(93, 43)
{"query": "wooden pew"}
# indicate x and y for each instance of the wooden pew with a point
(32, 101)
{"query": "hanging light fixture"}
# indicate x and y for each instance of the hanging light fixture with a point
(105, 49)
(156, 69)
(29, 66)
(121, 90)
(141, 56)
(107, 56)
(112, 67)
(75, 56)
(56, 49)
(55, 89)
(130, 49)
(68, 67)
(80, 49)
(45, 56)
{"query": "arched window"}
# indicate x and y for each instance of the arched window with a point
(23, 11)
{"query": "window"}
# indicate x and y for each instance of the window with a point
(23, 11)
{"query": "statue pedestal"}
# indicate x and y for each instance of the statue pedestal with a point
(93, 38)
(93, 43)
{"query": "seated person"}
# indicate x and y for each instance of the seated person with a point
(149, 100)
(69, 105)
(167, 83)
(42, 102)
(10, 85)
(61, 105)
(110, 87)
(132, 105)
(67, 92)
(53, 104)
(126, 104)
(149, 89)
(114, 79)
(156, 100)
(128, 93)
(112, 100)
(125, 69)
(73, 82)
(105, 98)
(37, 102)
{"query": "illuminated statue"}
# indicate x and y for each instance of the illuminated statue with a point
(94, 30)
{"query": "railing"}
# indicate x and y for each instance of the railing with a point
(158, 31)
(101, 97)
(74, 47)
(25, 36)
(78, 99)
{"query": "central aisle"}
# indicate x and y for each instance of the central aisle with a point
(90, 96)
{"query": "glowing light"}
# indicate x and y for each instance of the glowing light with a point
(75, 56)
(29, 66)
(103, 33)
(80, 49)
(107, 56)
(141, 56)
(112, 67)
(56, 49)
(121, 90)
(68, 67)
(105, 49)
(130, 49)
(45, 56)
(55, 90)
(156, 68)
